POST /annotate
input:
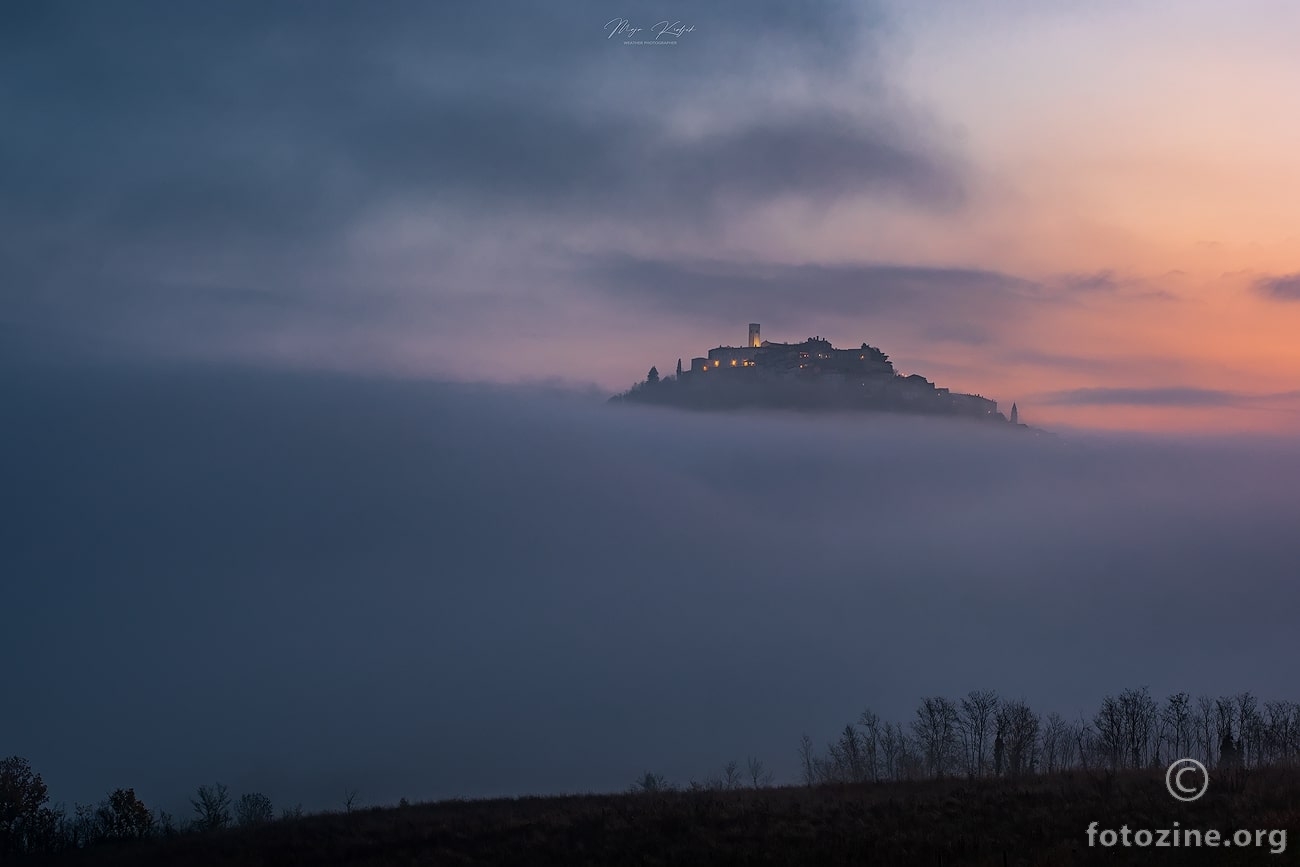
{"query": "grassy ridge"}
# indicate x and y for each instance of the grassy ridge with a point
(990, 822)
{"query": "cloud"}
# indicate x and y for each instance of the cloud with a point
(1107, 283)
(772, 291)
(486, 154)
(1097, 281)
(930, 304)
(255, 149)
(324, 117)
(1099, 367)
(1281, 288)
(1171, 396)
(1094, 366)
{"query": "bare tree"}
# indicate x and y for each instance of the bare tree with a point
(349, 797)
(1138, 711)
(1109, 726)
(123, 816)
(1076, 736)
(212, 807)
(1085, 743)
(1250, 726)
(850, 756)
(651, 783)
(826, 768)
(164, 824)
(1204, 728)
(935, 728)
(1225, 718)
(892, 747)
(1017, 729)
(759, 775)
(731, 776)
(910, 764)
(1057, 743)
(870, 724)
(807, 758)
(253, 808)
(1282, 727)
(82, 828)
(975, 719)
(1176, 720)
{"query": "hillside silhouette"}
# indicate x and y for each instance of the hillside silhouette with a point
(810, 375)
(979, 780)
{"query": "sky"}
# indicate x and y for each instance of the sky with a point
(1088, 209)
(309, 314)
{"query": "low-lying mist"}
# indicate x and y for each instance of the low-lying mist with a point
(301, 584)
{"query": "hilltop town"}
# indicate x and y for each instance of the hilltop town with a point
(808, 375)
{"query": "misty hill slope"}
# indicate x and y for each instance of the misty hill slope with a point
(810, 376)
(1036, 821)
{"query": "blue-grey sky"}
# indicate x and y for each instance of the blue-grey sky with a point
(307, 313)
(512, 192)
(336, 185)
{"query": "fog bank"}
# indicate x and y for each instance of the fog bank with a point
(302, 583)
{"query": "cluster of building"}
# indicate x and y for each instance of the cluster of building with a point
(856, 377)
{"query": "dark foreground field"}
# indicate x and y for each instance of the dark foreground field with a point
(995, 822)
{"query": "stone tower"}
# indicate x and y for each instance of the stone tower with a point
(1015, 414)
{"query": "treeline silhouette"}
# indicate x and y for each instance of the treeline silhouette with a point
(30, 826)
(984, 735)
(978, 736)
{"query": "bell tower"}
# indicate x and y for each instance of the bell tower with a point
(754, 340)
